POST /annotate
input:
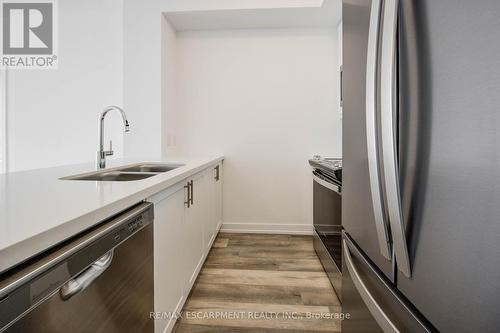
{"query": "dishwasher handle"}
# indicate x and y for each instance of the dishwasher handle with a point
(85, 279)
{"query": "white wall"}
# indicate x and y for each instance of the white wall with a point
(268, 100)
(3, 121)
(339, 53)
(52, 115)
(143, 62)
(169, 120)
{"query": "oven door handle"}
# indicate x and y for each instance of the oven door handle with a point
(326, 184)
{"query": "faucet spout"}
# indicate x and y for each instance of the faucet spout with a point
(122, 112)
(101, 154)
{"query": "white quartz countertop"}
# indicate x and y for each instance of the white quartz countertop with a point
(39, 210)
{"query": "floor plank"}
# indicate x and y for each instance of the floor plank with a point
(264, 278)
(263, 284)
(282, 264)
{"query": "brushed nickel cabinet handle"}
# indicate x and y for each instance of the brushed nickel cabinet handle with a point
(217, 171)
(191, 191)
(187, 190)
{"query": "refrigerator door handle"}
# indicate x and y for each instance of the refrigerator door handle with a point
(371, 130)
(378, 314)
(388, 116)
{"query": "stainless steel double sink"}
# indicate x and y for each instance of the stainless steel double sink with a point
(126, 173)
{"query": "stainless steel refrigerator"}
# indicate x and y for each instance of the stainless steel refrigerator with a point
(421, 174)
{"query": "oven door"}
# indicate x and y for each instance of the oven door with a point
(327, 205)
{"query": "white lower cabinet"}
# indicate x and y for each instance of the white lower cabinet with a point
(211, 227)
(217, 189)
(185, 225)
(168, 240)
(195, 218)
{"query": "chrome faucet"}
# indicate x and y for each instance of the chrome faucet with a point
(101, 154)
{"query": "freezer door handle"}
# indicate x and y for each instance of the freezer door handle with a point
(371, 130)
(378, 314)
(388, 127)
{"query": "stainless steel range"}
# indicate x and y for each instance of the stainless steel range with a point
(327, 205)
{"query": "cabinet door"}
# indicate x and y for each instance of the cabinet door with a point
(218, 198)
(215, 205)
(168, 260)
(194, 218)
(209, 223)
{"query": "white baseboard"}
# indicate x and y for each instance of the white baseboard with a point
(267, 228)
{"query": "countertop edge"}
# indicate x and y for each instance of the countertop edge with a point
(30, 247)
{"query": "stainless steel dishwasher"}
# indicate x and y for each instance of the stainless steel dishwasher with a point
(100, 281)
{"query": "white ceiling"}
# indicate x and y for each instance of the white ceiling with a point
(327, 13)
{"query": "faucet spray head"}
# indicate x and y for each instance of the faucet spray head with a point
(127, 128)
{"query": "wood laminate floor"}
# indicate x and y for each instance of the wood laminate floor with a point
(261, 283)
